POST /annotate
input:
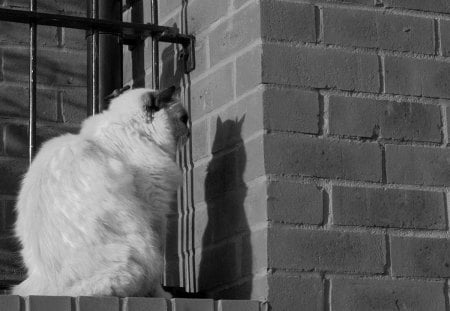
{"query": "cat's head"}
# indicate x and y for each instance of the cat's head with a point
(157, 114)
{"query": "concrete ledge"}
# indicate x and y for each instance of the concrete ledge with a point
(61, 303)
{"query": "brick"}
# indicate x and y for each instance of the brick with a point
(212, 92)
(288, 21)
(19, 34)
(441, 6)
(14, 103)
(320, 68)
(11, 170)
(237, 123)
(427, 257)
(74, 107)
(201, 14)
(16, 140)
(288, 290)
(53, 67)
(48, 303)
(9, 216)
(238, 305)
(199, 139)
(377, 207)
(255, 288)
(444, 35)
(229, 171)
(248, 71)
(9, 303)
(253, 255)
(216, 266)
(376, 118)
(310, 250)
(291, 110)
(168, 6)
(144, 304)
(343, 26)
(294, 202)
(16, 137)
(234, 34)
(419, 77)
(74, 39)
(371, 295)
(229, 214)
(2, 149)
(417, 165)
(69, 7)
(85, 303)
(182, 304)
(296, 154)
(201, 55)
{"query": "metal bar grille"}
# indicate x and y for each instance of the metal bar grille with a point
(32, 86)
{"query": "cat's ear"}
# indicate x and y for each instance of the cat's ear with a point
(165, 95)
(240, 122)
(219, 125)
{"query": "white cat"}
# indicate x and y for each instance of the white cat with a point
(91, 207)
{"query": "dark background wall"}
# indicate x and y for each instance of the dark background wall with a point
(61, 104)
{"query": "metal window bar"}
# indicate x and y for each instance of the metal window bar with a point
(129, 34)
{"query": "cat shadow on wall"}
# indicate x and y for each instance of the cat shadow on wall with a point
(226, 254)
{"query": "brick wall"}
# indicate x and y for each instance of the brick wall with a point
(318, 177)
(356, 154)
(61, 98)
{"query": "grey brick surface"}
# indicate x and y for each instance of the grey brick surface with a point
(85, 303)
(372, 118)
(235, 33)
(317, 250)
(216, 266)
(212, 92)
(9, 303)
(295, 154)
(289, 290)
(14, 102)
(378, 207)
(11, 172)
(374, 29)
(419, 77)
(420, 257)
(293, 202)
(180, 304)
(417, 165)
(444, 27)
(441, 6)
(48, 303)
(320, 68)
(248, 71)
(291, 110)
(201, 14)
(237, 305)
(144, 304)
(288, 21)
(372, 294)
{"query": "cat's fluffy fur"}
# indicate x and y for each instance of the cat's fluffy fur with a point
(91, 207)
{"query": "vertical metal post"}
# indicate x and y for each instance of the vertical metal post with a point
(110, 51)
(155, 48)
(93, 106)
(32, 87)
